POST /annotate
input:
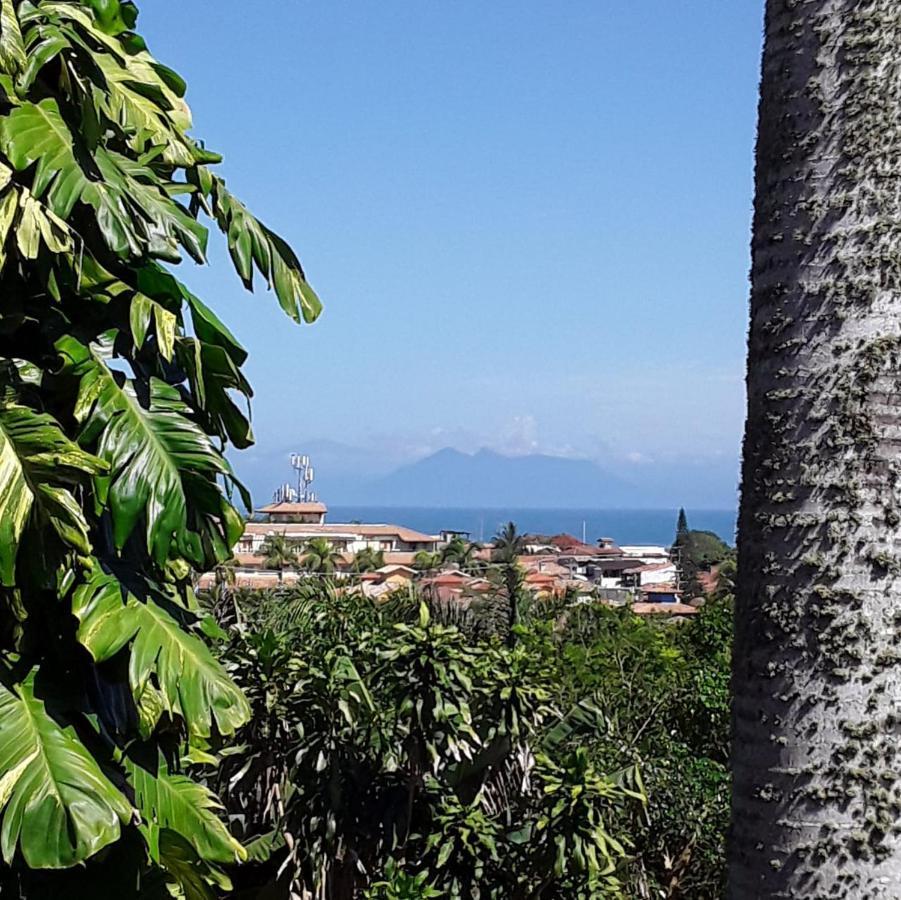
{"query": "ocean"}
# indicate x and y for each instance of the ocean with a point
(625, 526)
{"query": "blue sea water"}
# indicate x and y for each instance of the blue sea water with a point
(625, 526)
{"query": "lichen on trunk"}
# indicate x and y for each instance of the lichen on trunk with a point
(817, 718)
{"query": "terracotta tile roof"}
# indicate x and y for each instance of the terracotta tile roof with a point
(446, 579)
(249, 560)
(400, 558)
(396, 568)
(544, 565)
(660, 609)
(540, 578)
(659, 589)
(653, 567)
(343, 530)
(293, 509)
(570, 544)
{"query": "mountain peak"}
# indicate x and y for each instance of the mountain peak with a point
(450, 477)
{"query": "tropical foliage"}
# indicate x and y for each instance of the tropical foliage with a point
(278, 553)
(461, 554)
(398, 750)
(368, 560)
(118, 395)
(698, 551)
(509, 545)
(425, 561)
(320, 557)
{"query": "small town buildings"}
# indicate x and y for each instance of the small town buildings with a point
(301, 522)
(660, 593)
(386, 580)
(646, 554)
(641, 575)
(653, 573)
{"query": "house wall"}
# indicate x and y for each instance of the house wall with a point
(346, 543)
(304, 518)
(659, 576)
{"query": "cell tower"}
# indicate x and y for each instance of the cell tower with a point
(302, 493)
(301, 465)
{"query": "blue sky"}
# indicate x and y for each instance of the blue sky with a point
(529, 222)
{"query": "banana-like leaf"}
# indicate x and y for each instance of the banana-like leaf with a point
(191, 682)
(143, 311)
(37, 465)
(251, 244)
(126, 103)
(136, 69)
(212, 374)
(44, 46)
(37, 132)
(195, 879)
(130, 202)
(58, 807)
(166, 800)
(155, 453)
(161, 222)
(36, 225)
(12, 47)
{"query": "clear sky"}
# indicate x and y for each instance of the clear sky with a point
(528, 221)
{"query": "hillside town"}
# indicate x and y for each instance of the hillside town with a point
(379, 558)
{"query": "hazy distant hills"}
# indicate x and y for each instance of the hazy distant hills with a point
(488, 479)
(349, 476)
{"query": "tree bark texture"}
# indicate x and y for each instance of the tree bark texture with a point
(817, 672)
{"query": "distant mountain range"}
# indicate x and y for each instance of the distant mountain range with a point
(451, 478)
(490, 479)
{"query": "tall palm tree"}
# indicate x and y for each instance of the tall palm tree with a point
(509, 545)
(368, 560)
(460, 552)
(320, 556)
(278, 554)
(425, 561)
(816, 750)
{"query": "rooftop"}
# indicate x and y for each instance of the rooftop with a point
(663, 609)
(303, 529)
(651, 567)
(293, 509)
(659, 589)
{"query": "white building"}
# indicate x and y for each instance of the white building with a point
(301, 522)
(647, 554)
(651, 574)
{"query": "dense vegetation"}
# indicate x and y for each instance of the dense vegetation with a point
(119, 391)
(398, 750)
(698, 551)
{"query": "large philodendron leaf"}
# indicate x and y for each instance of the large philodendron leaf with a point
(155, 453)
(132, 207)
(171, 801)
(37, 132)
(192, 684)
(12, 47)
(38, 464)
(58, 807)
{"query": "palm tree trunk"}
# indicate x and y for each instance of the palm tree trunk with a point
(816, 748)
(511, 577)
